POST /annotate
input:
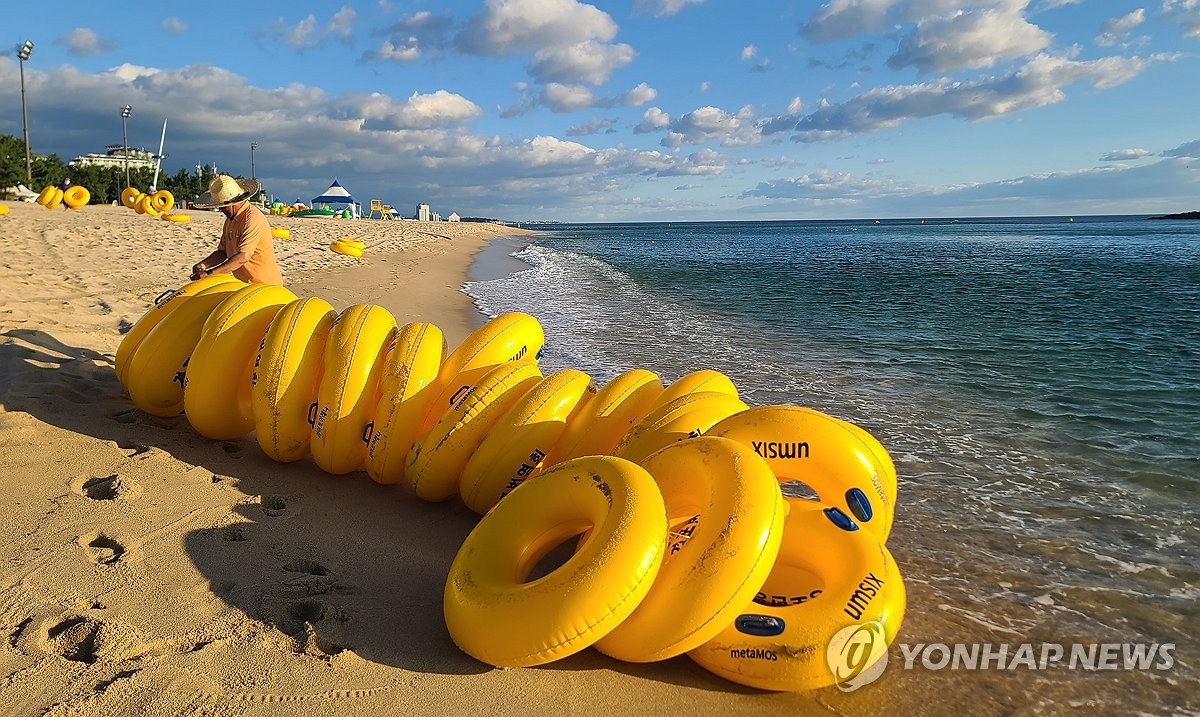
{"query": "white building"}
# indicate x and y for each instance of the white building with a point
(453, 217)
(114, 156)
(423, 212)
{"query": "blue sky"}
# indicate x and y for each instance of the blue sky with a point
(643, 109)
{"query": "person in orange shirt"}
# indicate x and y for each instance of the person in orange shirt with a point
(246, 249)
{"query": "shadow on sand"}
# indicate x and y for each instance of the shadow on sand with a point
(333, 562)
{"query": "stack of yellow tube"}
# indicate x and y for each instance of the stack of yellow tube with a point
(686, 543)
(73, 197)
(156, 204)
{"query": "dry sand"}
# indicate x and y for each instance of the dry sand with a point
(150, 571)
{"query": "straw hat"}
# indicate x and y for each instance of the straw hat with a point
(224, 190)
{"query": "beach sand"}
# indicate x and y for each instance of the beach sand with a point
(150, 571)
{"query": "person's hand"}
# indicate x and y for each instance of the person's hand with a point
(198, 271)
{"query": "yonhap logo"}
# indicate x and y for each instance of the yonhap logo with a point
(857, 655)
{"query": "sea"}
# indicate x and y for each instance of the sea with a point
(1036, 381)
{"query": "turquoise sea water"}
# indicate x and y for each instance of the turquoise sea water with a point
(1037, 382)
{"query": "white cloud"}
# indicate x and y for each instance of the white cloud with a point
(174, 24)
(1122, 155)
(970, 40)
(1186, 13)
(705, 86)
(560, 97)
(749, 51)
(310, 32)
(588, 61)
(595, 125)
(639, 95)
(709, 124)
(824, 186)
(1116, 30)
(653, 119)
(1038, 83)
(840, 19)
(509, 27)
(1189, 150)
(412, 37)
(661, 8)
(84, 42)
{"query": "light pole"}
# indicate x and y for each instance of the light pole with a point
(253, 146)
(23, 53)
(125, 112)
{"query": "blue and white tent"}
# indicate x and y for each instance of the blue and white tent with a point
(338, 198)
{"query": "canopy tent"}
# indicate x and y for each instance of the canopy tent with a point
(337, 194)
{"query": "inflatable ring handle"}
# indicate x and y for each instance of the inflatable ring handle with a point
(163, 295)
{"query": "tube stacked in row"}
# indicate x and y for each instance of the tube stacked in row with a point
(685, 541)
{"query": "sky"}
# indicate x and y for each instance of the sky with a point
(639, 110)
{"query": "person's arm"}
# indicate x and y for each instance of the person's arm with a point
(207, 263)
(230, 263)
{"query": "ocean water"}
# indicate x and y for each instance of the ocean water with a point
(1036, 381)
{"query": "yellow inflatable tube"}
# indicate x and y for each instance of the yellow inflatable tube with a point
(349, 389)
(55, 198)
(598, 425)
(515, 447)
(410, 371)
(163, 306)
(508, 337)
(280, 233)
(3, 209)
(129, 196)
(804, 445)
(156, 370)
(497, 617)
(346, 249)
(726, 513)
(178, 218)
(216, 394)
(287, 374)
(435, 463)
(685, 417)
(830, 580)
(76, 196)
(162, 200)
(703, 380)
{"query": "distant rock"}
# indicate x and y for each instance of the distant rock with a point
(1185, 215)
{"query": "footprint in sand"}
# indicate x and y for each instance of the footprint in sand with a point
(74, 639)
(316, 579)
(110, 487)
(101, 549)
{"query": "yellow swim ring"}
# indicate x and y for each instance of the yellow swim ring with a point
(156, 370)
(3, 209)
(216, 393)
(178, 218)
(345, 249)
(515, 447)
(498, 615)
(45, 194)
(435, 463)
(76, 196)
(280, 233)
(55, 198)
(287, 375)
(685, 417)
(508, 337)
(410, 371)
(163, 306)
(829, 577)
(598, 425)
(349, 388)
(816, 449)
(162, 200)
(350, 242)
(705, 379)
(726, 514)
(129, 196)
(144, 206)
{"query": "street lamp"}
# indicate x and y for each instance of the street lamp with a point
(253, 146)
(23, 53)
(125, 112)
